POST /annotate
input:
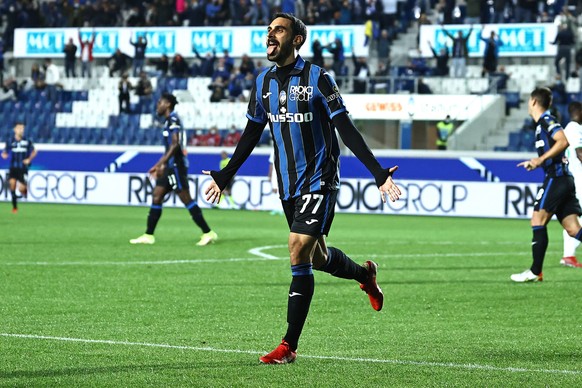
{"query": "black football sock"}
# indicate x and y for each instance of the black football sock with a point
(300, 294)
(197, 216)
(579, 235)
(341, 266)
(153, 218)
(539, 244)
(14, 197)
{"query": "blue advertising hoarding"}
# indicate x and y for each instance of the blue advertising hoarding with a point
(516, 39)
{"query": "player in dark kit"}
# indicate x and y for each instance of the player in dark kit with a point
(558, 193)
(302, 105)
(22, 153)
(171, 173)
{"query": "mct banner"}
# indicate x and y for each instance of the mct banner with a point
(531, 40)
(50, 42)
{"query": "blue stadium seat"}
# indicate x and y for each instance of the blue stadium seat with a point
(182, 83)
(67, 106)
(514, 141)
(512, 99)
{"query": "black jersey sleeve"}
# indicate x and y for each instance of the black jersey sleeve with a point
(248, 141)
(356, 143)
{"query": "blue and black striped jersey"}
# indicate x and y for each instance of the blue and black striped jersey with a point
(299, 110)
(173, 125)
(19, 150)
(546, 128)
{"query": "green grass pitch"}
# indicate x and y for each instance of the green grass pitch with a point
(80, 306)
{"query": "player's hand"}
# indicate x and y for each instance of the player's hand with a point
(157, 171)
(213, 191)
(26, 162)
(390, 188)
(4, 155)
(531, 164)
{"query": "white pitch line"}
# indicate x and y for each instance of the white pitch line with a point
(333, 358)
(258, 251)
(261, 256)
(161, 262)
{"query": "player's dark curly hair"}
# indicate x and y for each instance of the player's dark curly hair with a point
(170, 98)
(543, 96)
(297, 26)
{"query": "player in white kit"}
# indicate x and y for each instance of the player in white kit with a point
(573, 132)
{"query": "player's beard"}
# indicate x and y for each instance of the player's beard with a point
(282, 52)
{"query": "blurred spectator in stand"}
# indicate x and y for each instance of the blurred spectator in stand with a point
(216, 13)
(566, 17)
(124, 88)
(544, 17)
(206, 63)
(232, 137)
(213, 139)
(7, 92)
(86, 54)
(383, 47)
(343, 14)
(179, 67)
(526, 11)
(388, 15)
(221, 70)
(194, 14)
(235, 86)
(260, 13)
(337, 50)
(317, 50)
(460, 52)
(361, 74)
(217, 88)
(500, 9)
(144, 86)
(70, 51)
(162, 65)
(498, 80)
(37, 76)
(134, 17)
(565, 41)
(422, 21)
(491, 52)
(119, 62)
(228, 61)
(198, 139)
(139, 57)
(246, 65)
(423, 88)
(248, 82)
(51, 79)
(473, 12)
(442, 60)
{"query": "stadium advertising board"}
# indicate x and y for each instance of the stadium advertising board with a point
(440, 198)
(531, 40)
(50, 42)
(417, 107)
(433, 183)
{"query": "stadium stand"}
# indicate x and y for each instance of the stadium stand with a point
(87, 111)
